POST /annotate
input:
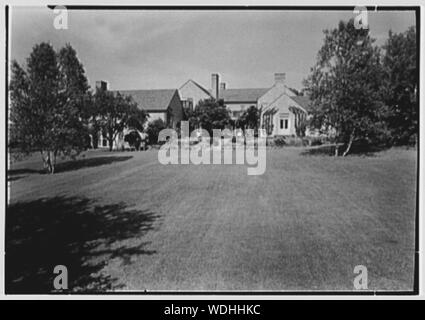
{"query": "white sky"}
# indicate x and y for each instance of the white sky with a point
(163, 49)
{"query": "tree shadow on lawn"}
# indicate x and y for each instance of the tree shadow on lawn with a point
(355, 150)
(73, 232)
(71, 165)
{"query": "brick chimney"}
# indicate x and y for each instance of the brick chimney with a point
(222, 86)
(280, 78)
(102, 85)
(214, 85)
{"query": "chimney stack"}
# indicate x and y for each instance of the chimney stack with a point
(214, 85)
(280, 78)
(102, 85)
(222, 86)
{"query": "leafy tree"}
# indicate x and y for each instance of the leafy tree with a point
(46, 102)
(345, 86)
(210, 114)
(249, 119)
(153, 130)
(113, 112)
(401, 85)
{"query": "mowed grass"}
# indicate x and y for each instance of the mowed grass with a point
(122, 221)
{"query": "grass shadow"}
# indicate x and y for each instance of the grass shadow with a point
(76, 233)
(87, 163)
(355, 150)
(70, 165)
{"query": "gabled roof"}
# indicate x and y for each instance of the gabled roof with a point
(151, 100)
(198, 85)
(303, 101)
(242, 95)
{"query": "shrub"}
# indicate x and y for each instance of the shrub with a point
(295, 141)
(279, 141)
(133, 139)
(153, 130)
(316, 141)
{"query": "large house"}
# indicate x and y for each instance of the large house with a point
(191, 93)
(282, 111)
(164, 104)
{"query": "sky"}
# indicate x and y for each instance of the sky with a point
(163, 49)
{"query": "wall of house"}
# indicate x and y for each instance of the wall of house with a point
(175, 111)
(281, 105)
(275, 92)
(192, 91)
(117, 144)
(236, 109)
(157, 115)
(291, 123)
(270, 96)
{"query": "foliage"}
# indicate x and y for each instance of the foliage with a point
(134, 140)
(113, 112)
(210, 114)
(153, 130)
(249, 119)
(345, 85)
(401, 85)
(315, 141)
(47, 100)
(279, 141)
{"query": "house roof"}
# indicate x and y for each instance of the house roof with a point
(303, 101)
(242, 95)
(151, 100)
(198, 85)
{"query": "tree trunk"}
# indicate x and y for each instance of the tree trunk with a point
(95, 140)
(350, 142)
(110, 142)
(49, 161)
(53, 162)
(336, 149)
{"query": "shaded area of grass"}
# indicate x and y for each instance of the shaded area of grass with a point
(70, 165)
(74, 232)
(355, 150)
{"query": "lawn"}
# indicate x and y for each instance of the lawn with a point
(122, 221)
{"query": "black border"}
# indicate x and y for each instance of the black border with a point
(417, 11)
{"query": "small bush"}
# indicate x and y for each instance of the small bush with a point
(279, 141)
(294, 141)
(133, 139)
(316, 141)
(153, 130)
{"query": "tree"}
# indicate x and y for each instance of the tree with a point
(401, 85)
(153, 130)
(45, 113)
(113, 112)
(134, 140)
(345, 86)
(210, 114)
(249, 119)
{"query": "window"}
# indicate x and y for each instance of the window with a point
(284, 123)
